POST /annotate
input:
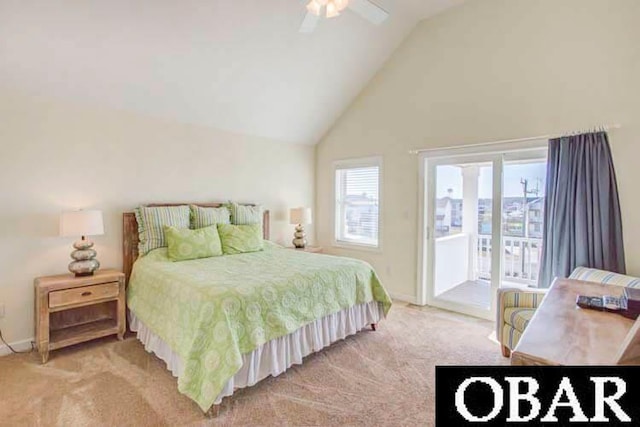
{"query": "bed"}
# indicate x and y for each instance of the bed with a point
(227, 322)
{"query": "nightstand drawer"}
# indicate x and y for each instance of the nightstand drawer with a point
(85, 294)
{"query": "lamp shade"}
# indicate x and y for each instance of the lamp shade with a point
(300, 216)
(81, 223)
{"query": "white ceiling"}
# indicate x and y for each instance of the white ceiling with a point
(238, 65)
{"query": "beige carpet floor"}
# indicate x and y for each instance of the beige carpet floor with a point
(373, 378)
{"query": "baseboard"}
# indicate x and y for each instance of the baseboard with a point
(402, 297)
(24, 345)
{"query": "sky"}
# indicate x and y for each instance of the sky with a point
(450, 177)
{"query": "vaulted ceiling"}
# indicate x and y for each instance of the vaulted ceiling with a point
(237, 65)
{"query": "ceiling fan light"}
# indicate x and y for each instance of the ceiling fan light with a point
(332, 10)
(341, 4)
(314, 7)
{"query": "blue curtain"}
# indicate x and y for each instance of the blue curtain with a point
(582, 221)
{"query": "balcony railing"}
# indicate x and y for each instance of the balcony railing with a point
(521, 259)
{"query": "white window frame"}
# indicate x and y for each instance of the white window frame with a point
(374, 161)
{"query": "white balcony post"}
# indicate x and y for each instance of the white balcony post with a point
(470, 176)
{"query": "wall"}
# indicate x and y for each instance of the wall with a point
(57, 156)
(455, 246)
(490, 70)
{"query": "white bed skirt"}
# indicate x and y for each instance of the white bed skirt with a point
(276, 356)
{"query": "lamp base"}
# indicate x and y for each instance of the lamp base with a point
(84, 262)
(299, 241)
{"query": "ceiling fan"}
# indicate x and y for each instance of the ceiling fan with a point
(332, 8)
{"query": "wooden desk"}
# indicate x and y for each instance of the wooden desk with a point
(560, 333)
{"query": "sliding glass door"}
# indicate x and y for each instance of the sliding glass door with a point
(483, 227)
(462, 195)
(523, 218)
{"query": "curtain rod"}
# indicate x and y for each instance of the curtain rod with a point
(530, 138)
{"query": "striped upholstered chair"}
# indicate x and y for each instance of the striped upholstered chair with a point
(516, 306)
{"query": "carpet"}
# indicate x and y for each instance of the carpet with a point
(378, 378)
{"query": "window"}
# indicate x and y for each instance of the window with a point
(358, 202)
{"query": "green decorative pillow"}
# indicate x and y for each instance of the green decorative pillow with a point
(151, 222)
(238, 239)
(184, 244)
(244, 214)
(205, 217)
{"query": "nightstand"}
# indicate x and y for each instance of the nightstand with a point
(312, 249)
(71, 310)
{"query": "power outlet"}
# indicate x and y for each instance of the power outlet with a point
(1, 311)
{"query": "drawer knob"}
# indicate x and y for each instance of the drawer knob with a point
(86, 293)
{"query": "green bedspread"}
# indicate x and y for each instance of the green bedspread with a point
(211, 311)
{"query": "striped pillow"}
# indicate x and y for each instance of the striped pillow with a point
(205, 217)
(605, 277)
(151, 222)
(244, 215)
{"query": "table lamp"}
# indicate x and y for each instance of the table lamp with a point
(300, 217)
(83, 224)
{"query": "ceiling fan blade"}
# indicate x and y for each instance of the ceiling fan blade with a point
(309, 23)
(369, 11)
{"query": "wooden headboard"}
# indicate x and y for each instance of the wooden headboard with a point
(130, 232)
